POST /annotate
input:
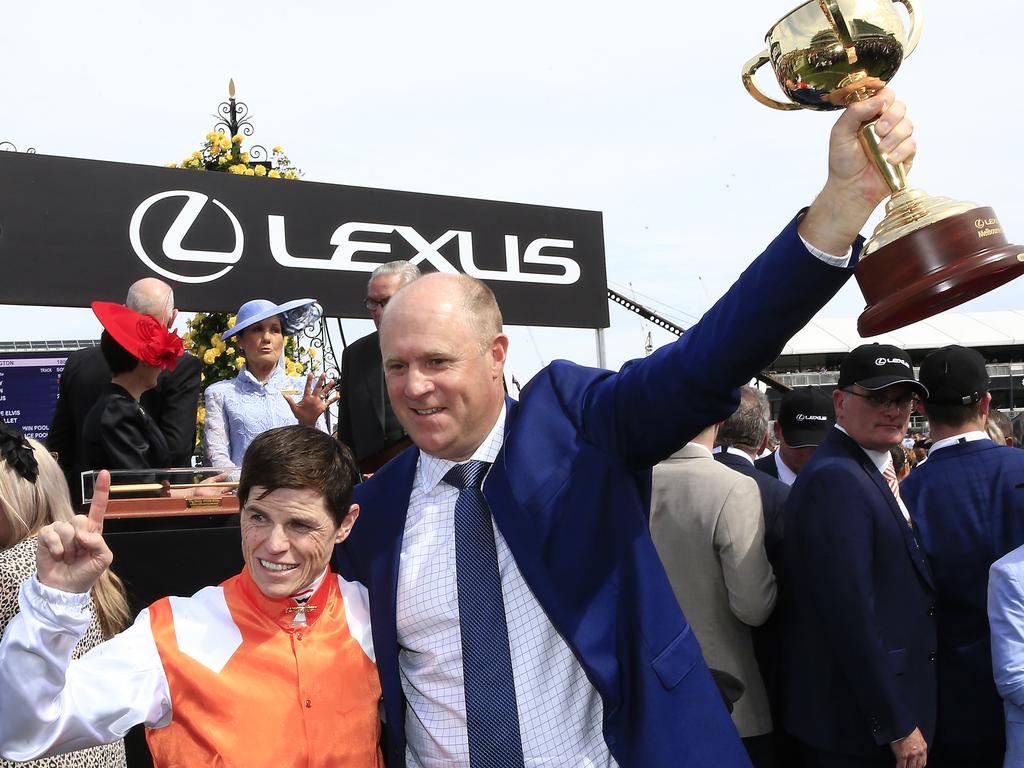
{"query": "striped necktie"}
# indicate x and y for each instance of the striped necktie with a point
(889, 473)
(492, 717)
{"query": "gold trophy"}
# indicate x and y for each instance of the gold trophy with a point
(929, 253)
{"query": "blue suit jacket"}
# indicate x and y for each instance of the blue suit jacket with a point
(967, 501)
(570, 491)
(767, 465)
(1006, 616)
(858, 613)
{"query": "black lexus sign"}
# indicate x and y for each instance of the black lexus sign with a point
(73, 231)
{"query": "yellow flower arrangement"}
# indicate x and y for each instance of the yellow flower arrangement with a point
(220, 153)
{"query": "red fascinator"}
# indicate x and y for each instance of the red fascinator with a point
(141, 335)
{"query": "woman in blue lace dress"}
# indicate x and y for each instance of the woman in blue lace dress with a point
(262, 396)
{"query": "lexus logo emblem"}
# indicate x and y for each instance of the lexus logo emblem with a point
(172, 248)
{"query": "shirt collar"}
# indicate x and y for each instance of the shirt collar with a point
(878, 458)
(276, 377)
(304, 597)
(963, 437)
(703, 448)
(786, 475)
(285, 611)
(432, 469)
(733, 451)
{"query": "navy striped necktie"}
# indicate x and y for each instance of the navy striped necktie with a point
(492, 718)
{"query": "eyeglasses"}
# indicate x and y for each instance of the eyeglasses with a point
(904, 403)
(379, 303)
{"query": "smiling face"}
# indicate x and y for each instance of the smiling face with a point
(261, 343)
(871, 427)
(443, 369)
(288, 537)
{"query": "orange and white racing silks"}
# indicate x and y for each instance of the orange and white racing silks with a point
(250, 687)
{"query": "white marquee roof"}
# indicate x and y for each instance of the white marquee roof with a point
(969, 329)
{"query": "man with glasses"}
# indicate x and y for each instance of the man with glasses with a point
(366, 423)
(858, 601)
(969, 508)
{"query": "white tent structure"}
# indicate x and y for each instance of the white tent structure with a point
(826, 336)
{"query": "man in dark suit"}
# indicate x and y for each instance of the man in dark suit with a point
(858, 598)
(531, 616)
(968, 505)
(742, 437)
(805, 417)
(366, 423)
(172, 404)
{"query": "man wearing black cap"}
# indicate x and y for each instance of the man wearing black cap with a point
(969, 510)
(858, 600)
(805, 417)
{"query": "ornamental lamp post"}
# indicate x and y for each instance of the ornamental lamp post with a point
(233, 118)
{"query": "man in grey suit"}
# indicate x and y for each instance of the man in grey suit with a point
(366, 423)
(708, 528)
(741, 439)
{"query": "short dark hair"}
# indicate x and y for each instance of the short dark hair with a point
(954, 415)
(300, 457)
(119, 359)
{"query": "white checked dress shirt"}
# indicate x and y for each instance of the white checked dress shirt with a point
(560, 712)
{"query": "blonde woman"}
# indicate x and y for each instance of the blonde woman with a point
(33, 494)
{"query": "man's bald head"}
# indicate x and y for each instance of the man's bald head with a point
(153, 297)
(444, 355)
(471, 298)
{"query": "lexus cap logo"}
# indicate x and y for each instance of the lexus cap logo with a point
(810, 417)
(880, 361)
(172, 248)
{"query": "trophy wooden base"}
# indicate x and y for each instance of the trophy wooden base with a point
(935, 268)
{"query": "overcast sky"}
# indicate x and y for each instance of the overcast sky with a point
(632, 109)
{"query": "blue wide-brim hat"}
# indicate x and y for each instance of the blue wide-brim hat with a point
(295, 315)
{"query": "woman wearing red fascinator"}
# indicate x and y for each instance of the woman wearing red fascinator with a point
(118, 433)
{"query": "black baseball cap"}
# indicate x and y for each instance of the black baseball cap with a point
(954, 375)
(877, 366)
(805, 417)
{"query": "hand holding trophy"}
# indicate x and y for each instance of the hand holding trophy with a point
(928, 253)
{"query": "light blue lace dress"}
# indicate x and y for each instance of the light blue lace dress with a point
(239, 409)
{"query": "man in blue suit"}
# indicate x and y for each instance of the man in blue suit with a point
(968, 504)
(1006, 617)
(858, 598)
(589, 660)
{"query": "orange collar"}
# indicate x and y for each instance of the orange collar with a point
(282, 610)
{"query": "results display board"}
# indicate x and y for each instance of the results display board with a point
(29, 384)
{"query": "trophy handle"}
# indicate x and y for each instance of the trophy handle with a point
(748, 82)
(916, 23)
